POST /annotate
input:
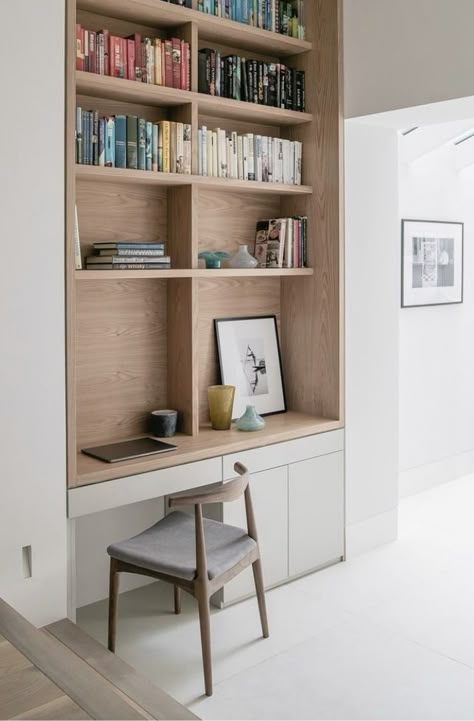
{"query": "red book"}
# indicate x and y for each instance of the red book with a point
(114, 56)
(79, 48)
(183, 65)
(92, 52)
(106, 35)
(85, 46)
(136, 71)
(176, 55)
(168, 63)
(131, 59)
(123, 58)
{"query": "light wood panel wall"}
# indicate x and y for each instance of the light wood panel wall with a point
(228, 299)
(122, 351)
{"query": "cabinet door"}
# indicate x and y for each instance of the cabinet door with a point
(270, 501)
(316, 512)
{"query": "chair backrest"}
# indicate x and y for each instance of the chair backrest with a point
(230, 491)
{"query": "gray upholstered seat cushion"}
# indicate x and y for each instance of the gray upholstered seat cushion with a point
(169, 547)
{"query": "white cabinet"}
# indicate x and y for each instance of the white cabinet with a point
(269, 491)
(316, 512)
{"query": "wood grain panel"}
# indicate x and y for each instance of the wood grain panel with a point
(240, 126)
(61, 708)
(119, 107)
(121, 357)
(312, 307)
(111, 212)
(116, 26)
(228, 299)
(227, 220)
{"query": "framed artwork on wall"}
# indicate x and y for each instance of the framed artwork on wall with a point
(432, 263)
(250, 360)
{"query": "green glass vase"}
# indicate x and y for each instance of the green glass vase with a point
(221, 404)
(250, 421)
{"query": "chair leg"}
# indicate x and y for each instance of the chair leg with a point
(205, 623)
(113, 603)
(258, 578)
(177, 599)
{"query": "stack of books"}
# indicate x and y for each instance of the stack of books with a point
(148, 60)
(252, 81)
(286, 18)
(125, 141)
(249, 157)
(124, 255)
(281, 242)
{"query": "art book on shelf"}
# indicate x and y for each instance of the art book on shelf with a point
(270, 242)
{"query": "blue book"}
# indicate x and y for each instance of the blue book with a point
(141, 144)
(110, 142)
(102, 141)
(149, 146)
(120, 141)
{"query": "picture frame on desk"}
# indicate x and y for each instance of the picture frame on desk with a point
(250, 359)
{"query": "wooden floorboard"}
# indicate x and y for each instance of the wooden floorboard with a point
(60, 708)
(151, 698)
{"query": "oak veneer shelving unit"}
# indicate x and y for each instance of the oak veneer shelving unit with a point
(143, 340)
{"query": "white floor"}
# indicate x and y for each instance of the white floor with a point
(389, 635)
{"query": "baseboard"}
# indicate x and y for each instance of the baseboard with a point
(371, 533)
(422, 478)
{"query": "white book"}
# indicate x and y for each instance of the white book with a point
(278, 155)
(180, 148)
(204, 150)
(210, 144)
(228, 147)
(271, 179)
(221, 153)
(292, 168)
(188, 154)
(240, 157)
(258, 158)
(298, 162)
(286, 161)
(245, 160)
(200, 152)
(215, 155)
(235, 163)
(265, 160)
(289, 244)
(251, 157)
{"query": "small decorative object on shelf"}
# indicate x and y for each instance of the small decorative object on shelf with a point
(249, 358)
(250, 421)
(221, 403)
(213, 258)
(163, 423)
(243, 259)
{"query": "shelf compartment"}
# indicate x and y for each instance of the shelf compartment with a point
(161, 14)
(148, 177)
(208, 444)
(103, 86)
(199, 273)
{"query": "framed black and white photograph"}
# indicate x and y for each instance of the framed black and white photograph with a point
(432, 263)
(249, 359)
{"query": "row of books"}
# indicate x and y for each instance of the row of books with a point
(148, 60)
(278, 16)
(249, 157)
(252, 81)
(281, 242)
(128, 256)
(126, 141)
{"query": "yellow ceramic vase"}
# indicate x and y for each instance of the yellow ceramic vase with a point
(221, 403)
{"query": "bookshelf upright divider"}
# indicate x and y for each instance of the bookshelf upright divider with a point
(139, 340)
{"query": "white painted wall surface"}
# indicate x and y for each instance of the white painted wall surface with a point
(401, 53)
(437, 343)
(372, 317)
(32, 411)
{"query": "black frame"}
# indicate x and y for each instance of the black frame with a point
(219, 354)
(439, 222)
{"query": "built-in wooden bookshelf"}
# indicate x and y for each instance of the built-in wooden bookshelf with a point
(141, 340)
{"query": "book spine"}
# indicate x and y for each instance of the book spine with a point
(166, 134)
(148, 145)
(215, 155)
(168, 63)
(180, 148)
(120, 141)
(141, 144)
(114, 56)
(86, 50)
(106, 35)
(102, 142)
(79, 47)
(95, 137)
(127, 266)
(110, 142)
(204, 151)
(132, 142)
(154, 148)
(188, 157)
(131, 60)
(182, 66)
(176, 57)
(126, 252)
(251, 157)
(158, 63)
(235, 163)
(100, 54)
(258, 158)
(79, 144)
(221, 153)
(92, 52)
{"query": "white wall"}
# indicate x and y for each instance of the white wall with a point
(401, 53)
(32, 420)
(372, 316)
(437, 343)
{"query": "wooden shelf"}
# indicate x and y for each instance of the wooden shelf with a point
(103, 86)
(147, 177)
(198, 273)
(208, 444)
(228, 32)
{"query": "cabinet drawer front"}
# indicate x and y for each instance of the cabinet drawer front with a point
(281, 454)
(316, 512)
(269, 491)
(131, 489)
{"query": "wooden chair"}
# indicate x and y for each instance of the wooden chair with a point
(196, 555)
